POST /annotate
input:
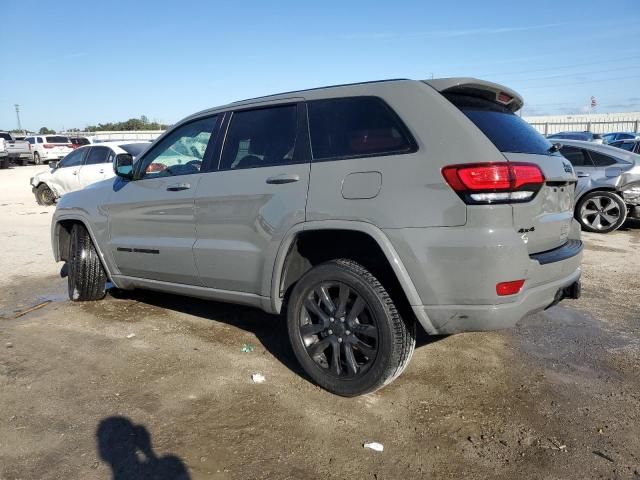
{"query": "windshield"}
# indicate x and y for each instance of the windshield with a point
(507, 131)
(135, 149)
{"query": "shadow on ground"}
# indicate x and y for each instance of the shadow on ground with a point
(270, 330)
(127, 449)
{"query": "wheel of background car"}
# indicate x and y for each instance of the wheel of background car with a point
(601, 212)
(346, 331)
(36, 158)
(86, 279)
(44, 195)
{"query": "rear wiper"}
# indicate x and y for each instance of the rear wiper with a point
(554, 148)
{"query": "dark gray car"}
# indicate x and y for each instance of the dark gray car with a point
(608, 187)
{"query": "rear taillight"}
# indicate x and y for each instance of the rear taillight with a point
(500, 182)
(509, 288)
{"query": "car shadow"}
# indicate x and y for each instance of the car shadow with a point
(127, 449)
(270, 330)
(630, 225)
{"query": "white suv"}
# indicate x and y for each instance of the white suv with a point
(82, 167)
(47, 148)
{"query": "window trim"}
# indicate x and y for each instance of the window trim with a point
(404, 130)
(206, 160)
(299, 157)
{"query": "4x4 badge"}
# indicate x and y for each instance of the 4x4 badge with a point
(567, 167)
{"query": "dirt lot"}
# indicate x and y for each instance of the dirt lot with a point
(82, 397)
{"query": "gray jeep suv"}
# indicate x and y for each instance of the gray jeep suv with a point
(357, 209)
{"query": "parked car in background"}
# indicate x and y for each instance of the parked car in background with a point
(48, 148)
(612, 137)
(585, 136)
(632, 146)
(356, 208)
(608, 188)
(77, 142)
(82, 167)
(13, 151)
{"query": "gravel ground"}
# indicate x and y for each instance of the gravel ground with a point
(157, 386)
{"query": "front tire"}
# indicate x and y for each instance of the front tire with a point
(44, 195)
(601, 212)
(36, 158)
(345, 330)
(87, 279)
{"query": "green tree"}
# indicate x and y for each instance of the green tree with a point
(45, 131)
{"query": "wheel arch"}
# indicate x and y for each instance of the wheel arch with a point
(61, 240)
(603, 188)
(374, 250)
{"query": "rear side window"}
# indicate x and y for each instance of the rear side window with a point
(576, 156)
(260, 138)
(40, 140)
(98, 155)
(602, 160)
(58, 139)
(356, 127)
(507, 131)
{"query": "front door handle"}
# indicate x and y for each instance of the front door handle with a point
(75, 172)
(282, 178)
(582, 174)
(176, 187)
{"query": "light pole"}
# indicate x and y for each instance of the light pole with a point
(18, 117)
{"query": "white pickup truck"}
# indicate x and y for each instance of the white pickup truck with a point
(13, 151)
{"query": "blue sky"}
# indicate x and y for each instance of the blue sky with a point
(72, 63)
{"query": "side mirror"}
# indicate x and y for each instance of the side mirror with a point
(53, 165)
(123, 166)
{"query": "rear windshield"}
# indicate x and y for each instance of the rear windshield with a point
(507, 131)
(5, 136)
(135, 149)
(57, 140)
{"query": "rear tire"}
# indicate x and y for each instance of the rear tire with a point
(44, 195)
(36, 158)
(87, 280)
(601, 212)
(345, 330)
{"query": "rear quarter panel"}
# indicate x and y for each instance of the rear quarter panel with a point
(413, 192)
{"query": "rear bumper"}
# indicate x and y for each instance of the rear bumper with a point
(455, 271)
(447, 319)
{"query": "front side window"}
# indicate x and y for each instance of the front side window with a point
(260, 138)
(355, 127)
(74, 159)
(181, 152)
(99, 155)
(576, 156)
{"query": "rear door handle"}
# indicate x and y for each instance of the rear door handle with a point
(176, 187)
(282, 178)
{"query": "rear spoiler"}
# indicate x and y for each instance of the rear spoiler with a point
(478, 88)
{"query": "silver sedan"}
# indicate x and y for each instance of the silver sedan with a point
(608, 188)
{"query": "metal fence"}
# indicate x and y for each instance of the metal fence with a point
(547, 128)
